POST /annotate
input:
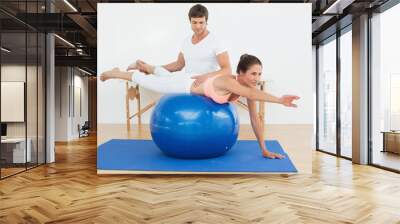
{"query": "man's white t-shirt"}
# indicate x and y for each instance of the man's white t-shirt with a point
(201, 58)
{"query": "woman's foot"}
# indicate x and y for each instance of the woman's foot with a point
(272, 155)
(109, 74)
(144, 67)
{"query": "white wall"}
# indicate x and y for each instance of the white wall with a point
(33, 126)
(16, 73)
(66, 81)
(279, 34)
(80, 83)
(61, 103)
(314, 84)
(12, 100)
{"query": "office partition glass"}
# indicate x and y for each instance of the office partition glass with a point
(327, 96)
(346, 94)
(32, 97)
(23, 88)
(41, 79)
(14, 145)
(385, 89)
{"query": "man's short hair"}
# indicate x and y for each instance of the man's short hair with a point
(198, 11)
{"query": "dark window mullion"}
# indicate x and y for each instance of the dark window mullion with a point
(317, 95)
(338, 98)
(26, 87)
(37, 91)
(0, 99)
(369, 89)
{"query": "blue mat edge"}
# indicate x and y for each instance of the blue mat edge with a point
(197, 172)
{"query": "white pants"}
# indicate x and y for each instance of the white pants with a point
(164, 81)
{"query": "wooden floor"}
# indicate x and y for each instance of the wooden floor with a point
(387, 159)
(10, 171)
(5, 172)
(69, 191)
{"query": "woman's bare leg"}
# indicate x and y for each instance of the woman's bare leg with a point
(116, 73)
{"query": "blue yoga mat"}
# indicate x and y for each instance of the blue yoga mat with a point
(144, 155)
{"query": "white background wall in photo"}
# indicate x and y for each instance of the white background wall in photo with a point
(279, 34)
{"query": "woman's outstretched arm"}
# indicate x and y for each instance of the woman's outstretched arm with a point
(259, 131)
(234, 86)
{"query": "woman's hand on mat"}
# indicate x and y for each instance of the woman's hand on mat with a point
(287, 100)
(273, 155)
(199, 79)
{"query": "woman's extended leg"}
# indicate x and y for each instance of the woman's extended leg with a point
(149, 69)
(116, 73)
(163, 82)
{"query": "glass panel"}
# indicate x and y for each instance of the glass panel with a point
(14, 5)
(77, 110)
(394, 102)
(32, 94)
(9, 24)
(22, 88)
(13, 87)
(386, 89)
(327, 96)
(31, 98)
(346, 93)
(41, 98)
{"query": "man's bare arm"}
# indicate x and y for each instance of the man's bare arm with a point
(225, 69)
(176, 65)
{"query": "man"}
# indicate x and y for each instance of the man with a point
(202, 55)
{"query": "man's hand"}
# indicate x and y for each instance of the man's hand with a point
(199, 79)
(287, 100)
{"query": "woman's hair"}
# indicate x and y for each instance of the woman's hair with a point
(198, 11)
(246, 61)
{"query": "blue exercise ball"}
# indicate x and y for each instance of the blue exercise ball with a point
(193, 127)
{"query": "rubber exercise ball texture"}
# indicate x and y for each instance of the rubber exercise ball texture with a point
(193, 127)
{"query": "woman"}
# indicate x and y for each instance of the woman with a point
(220, 88)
